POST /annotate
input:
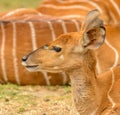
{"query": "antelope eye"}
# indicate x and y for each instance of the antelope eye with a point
(57, 49)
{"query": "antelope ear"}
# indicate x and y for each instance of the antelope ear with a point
(93, 38)
(94, 31)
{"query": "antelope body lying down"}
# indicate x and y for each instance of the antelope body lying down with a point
(74, 53)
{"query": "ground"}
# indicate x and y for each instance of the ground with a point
(35, 100)
(6, 5)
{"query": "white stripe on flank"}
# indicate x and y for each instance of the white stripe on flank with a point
(115, 51)
(72, 16)
(94, 4)
(67, 7)
(65, 31)
(109, 97)
(113, 17)
(33, 35)
(64, 78)
(63, 25)
(46, 77)
(52, 30)
(15, 60)
(2, 53)
(14, 12)
(17, 11)
(76, 24)
(116, 6)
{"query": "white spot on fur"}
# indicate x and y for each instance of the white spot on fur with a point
(61, 57)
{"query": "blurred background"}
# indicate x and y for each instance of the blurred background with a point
(6, 5)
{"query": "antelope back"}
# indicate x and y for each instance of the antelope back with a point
(77, 9)
(18, 14)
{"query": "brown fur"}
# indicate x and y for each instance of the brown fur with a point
(108, 14)
(92, 94)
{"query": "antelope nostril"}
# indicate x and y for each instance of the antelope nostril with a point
(24, 58)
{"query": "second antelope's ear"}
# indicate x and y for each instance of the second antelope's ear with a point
(94, 31)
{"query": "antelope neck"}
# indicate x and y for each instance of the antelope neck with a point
(85, 90)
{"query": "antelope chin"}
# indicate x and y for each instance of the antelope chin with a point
(33, 68)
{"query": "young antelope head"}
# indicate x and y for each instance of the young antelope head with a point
(68, 51)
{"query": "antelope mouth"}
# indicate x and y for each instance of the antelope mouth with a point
(32, 68)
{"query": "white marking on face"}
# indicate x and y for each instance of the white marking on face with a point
(24, 63)
(2, 53)
(33, 35)
(15, 60)
(45, 47)
(56, 67)
(61, 57)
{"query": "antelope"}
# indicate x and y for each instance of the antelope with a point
(74, 53)
(32, 34)
(77, 9)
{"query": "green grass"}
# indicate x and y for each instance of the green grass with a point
(6, 5)
(35, 100)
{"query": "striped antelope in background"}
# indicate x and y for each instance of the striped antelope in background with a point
(33, 34)
(74, 53)
(67, 9)
(19, 37)
(19, 14)
(77, 9)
